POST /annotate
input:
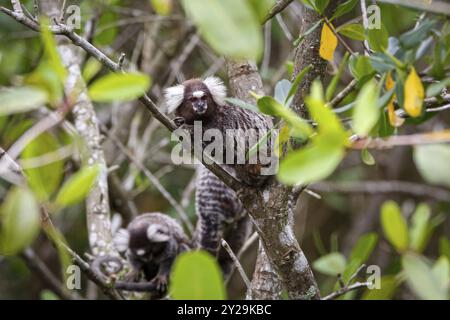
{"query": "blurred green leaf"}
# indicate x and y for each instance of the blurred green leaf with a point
(91, 68)
(344, 8)
(360, 254)
(196, 276)
(331, 89)
(327, 120)
(119, 87)
(48, 295)
(432, 161)
(367, 158)
(444, 247)
(162, 7)
(389, 285)
(353, 31)
(360, 67)
(436, 88)
(296, 83)
(378, 38)
(230, 27)
(394, 225)
(416, 35)
(19, 221)
(332, 264)
(261, 7)
(441, 270)
(312, 163)
(242, 104)
(45, 179)
(366, 112)
(418, 233)
(363, 248)
(22, 99)
(282, 89)
(270, 106)
(421, 278)
(51, 51)
(77, 187)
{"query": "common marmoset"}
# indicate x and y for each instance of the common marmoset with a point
(204, 101)
(220, 212)
(152, 241)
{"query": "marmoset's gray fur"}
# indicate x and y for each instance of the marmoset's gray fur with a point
(152, 241)
(220, 212)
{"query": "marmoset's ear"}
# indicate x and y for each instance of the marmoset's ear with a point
(217, 89)
(174, 97)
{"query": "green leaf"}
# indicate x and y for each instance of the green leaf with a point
(332, 264)
(48, 295)
(418, 232)
(320, 5)
(444, 247)
(77, 187)
(327, 120)
(360, 67)
(394, 226)
(344, 8)
(367, 158)
(366, 113)
(441, 270)
(19, 221)
(331, 89)
(91, 68)
(312, 163)
(119, 87)
(270, 106)
(421, 279)
(282, 89)
(353, 31)
(196, 276)
(230, 27)
(415, 36)
(43, 180)
(51, 51)
(242, 104)
(363, 248)
(296, 83)
(436, 88)
(378, 39)
(23, 99)
(388, 284)
(162, 7)
(261, 7)
(432, 161)
(360, 253)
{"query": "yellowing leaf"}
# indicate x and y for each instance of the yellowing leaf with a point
(328, 43)
(394, 120)
(414, 94)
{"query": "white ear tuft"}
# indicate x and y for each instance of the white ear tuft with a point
(154, 235)
(217, 89)
(174, 97)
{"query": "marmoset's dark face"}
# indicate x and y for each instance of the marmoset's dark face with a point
(196, 99)
(197, 103)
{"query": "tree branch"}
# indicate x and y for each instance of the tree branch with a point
(391, 186)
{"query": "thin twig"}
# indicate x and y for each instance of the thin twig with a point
(346, 289)
(238, 265)
(386, 186)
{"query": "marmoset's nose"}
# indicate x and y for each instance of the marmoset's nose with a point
(200, 106)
